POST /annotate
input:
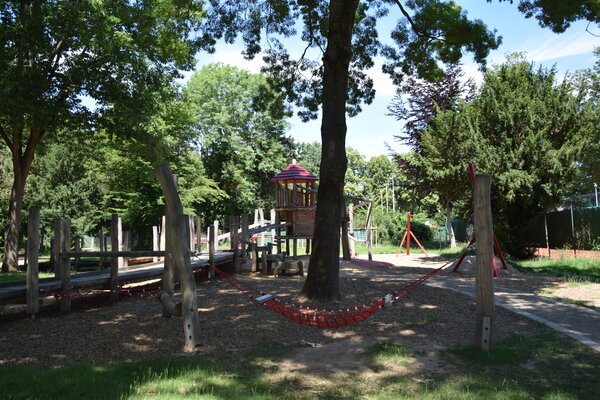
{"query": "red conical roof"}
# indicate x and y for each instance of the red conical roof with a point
(294, 172)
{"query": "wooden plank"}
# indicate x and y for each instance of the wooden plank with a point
(176, 223)
(216, 243)
(163, 234)
(33, 249)
(155, 241)
(198, 232)
(123, 253)
(484, 282)
(116, 239)
(102, 247)
(234, 222)
(56, 248)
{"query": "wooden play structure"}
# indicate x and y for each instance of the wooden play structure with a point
(295, 205)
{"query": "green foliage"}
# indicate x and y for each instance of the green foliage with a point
(237, 122)
(524, 129)
(392, 226)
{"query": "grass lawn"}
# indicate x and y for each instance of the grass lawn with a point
(20, 276)
(547, 366)
(573, 269)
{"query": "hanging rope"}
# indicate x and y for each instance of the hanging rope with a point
(322, 317)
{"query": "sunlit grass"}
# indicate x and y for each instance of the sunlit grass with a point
(546, 366)
(577, 270)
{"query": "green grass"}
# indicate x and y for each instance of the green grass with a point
(580, 270)
(547, 366)
(20, 276)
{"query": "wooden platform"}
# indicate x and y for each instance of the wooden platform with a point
(100, 279)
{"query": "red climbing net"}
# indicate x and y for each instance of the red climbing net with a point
(322, 317)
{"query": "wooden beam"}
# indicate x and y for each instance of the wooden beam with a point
(116, 239)
(484, 282)
(234, 222)
(33, 249)
(211, 250)
(155, 241)
(244, 236)
(198, 232)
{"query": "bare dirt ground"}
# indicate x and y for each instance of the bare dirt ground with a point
(427, 319)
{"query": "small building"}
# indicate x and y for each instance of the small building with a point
(295, 203)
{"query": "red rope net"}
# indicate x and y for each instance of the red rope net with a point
(322, 317)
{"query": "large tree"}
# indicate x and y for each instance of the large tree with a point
(425, 101)
(237, 122)
(525, 129)
(53, 53)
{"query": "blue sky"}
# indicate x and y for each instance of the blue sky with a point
(372, 129)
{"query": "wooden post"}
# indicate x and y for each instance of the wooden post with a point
(176, 222)
(125, 246)
(102, 247)
(211, 250)
(191, 232)
(244, 235)
(484, 283)
(351, 229)
(546, 231)
(77, 249)
(65, 263)
(56, 248)
(163, 235)
(155, 241)
(368, 237)
(198, 230)
(33, 249)
(216, 238)
(234, 222)
(116, 238)
(344, 235)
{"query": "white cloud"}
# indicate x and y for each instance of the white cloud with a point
(558, 46)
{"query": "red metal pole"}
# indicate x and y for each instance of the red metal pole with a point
(401, 243)
(463, 255)
(408, 234)
(417, 240)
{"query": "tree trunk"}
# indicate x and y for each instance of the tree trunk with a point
(11, 235)
(322, 282)
(22, 160)
(449, 225)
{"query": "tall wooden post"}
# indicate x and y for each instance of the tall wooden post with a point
(163, 235)
(125, 246)
(155, 241)
(234, 223)
(102, 247)
(191, 230)
(116, 238)
(211, 250)
(33, 249)
(198, 230)
(176, 224)
(482, 212)
(78, 250)
(56, 248)
(344, 236)
(244, 235)
(216, 238)
(351, 229)
(369, 233)
(65, 263)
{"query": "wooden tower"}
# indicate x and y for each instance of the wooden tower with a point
(295, 204)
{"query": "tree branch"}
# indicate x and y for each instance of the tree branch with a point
(5, 137)
(414, 25)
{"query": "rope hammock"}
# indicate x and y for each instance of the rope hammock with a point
(322, 317)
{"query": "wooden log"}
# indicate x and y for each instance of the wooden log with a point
(125, 246)
(176, 224)
(211, 250)
(216, 240)
(191, 230)
(33, 249)
(198, 232)
(65, 264)
(484, 283)
(116, 238)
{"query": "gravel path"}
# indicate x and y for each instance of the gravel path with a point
(133, 329)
